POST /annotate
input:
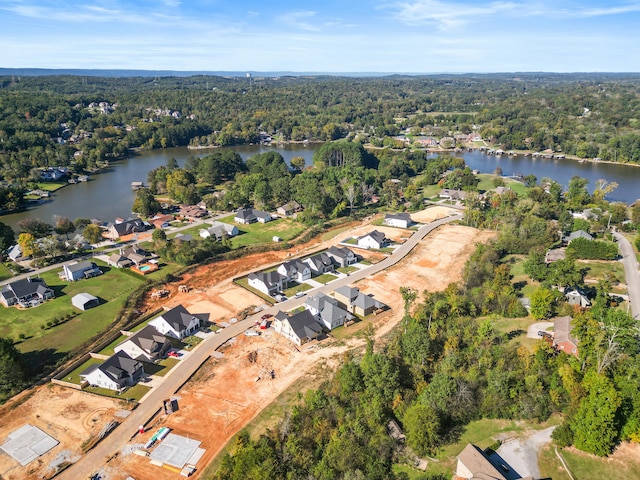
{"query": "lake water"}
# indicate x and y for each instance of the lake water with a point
(108, 195)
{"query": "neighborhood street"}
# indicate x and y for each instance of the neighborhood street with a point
(93, 460)
(631, 273)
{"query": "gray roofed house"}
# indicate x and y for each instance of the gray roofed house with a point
(320, 263)
(127, 227)
(342, 256)
(15, 252)
(219, 230)
(327, 311)
(119, 261)
(300, 328)
(27, 292)
(84, 301)
(576, 296)
(401, 220)
(267, 282)
(251, 215)
(474, 463)
(577, 234)
(147, 344)
(295, 270)
(178, 322)
(79, 270)
(374, 239)
(354, 301)
(289, 208)
(115, 373)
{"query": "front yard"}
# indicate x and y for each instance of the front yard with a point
(257, 233)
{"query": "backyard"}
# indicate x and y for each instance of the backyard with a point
(256, 233)
(42, 341)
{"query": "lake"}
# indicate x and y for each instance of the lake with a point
(108, 195)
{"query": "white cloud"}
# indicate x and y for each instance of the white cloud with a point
(299, 19)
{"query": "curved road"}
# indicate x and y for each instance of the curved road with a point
(106, 449)
(631, 273)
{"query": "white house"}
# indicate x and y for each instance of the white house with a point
(178, 322)
(374, 239)
(78, 270)
(117, 372)
(400, 220)
(576, 297)
(295, 270)
(251, 215)
(327, 311)
(320, 263)
(219, 230)
(299, 328)
(267, 282)
(147, 344)
(342, 256)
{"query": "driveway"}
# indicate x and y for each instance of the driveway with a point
(630, 272)
(534, 328)
(522, 454)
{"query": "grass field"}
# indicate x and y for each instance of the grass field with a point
(586, 467)
(46, 345)
(301, 287)
(257, 233)
(4, 272)
(134, 393)
(74, 377)
(325, 278)
(486, 183)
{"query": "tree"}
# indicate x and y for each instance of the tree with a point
(27, 243)
(64, 226)
(93, 233)
(298, 163)
(145, 203)
(11, 372)
(423, 429)
(7, 237)
(35, 227)
(595, 425)
(542, 303)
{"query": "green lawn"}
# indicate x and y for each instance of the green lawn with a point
(325, 278)
(134, 393)
(51, 186)
(347, 270)
(588, 467)
(612, 271)
(74, 377)
(257, 233)
(47, 345)
(161, 368)
(334, 233)
(5, 273)
(431, 191)
(301, 287)
(486, 183)
(109, 349)
(195, 230)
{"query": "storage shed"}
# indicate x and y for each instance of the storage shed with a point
(85, 301)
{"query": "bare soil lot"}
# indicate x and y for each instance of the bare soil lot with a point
(68, 415)
(224, 395)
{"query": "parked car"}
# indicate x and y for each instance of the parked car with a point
(265, 316)
(300, 294)
(174, 354)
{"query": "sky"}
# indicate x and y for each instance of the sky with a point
(331, 36)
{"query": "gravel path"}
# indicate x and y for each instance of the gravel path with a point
(522, 454)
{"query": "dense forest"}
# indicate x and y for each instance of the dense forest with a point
(83, 122)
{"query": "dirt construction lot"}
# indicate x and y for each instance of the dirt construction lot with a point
(224, 395)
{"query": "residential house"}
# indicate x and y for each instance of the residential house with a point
(354, 301)
(374, 239)
(246, 216)
(575, 296)
(577, 234)
(452, 194)
(135, 254)
(400, 220)
(84, 301)
(117, 372)
(219, 230)
(147, 345)
(342, 256)
(299, 328)
(125, 227)
(327, 311)
(119, 261)
(178, 322)
(474, 463)
(295, 270)
(162, 221)
(267, 282)
(562, 338)
(75, 241)
(555, 254)
(320, 263)
(78, 270)
(183, 237)
(191, 212)
(289, 208)
(15, 252)
(27, 292)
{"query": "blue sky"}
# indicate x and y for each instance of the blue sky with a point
(410, 36)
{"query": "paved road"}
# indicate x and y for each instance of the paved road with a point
(92, 461)
(631, 273)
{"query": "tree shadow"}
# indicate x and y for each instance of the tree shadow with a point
(36, 361)
(515, 333)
